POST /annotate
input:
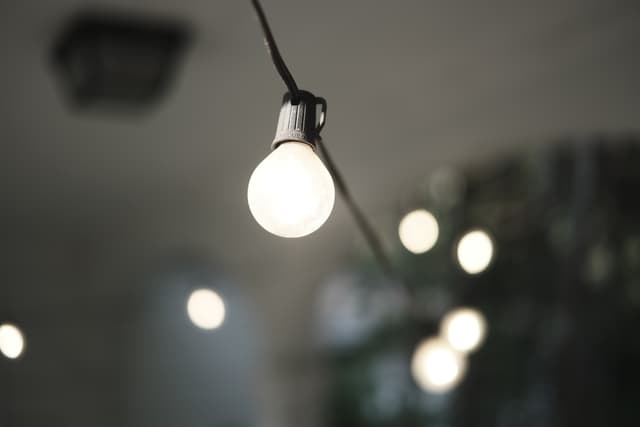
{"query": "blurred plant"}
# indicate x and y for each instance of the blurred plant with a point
(560, 298)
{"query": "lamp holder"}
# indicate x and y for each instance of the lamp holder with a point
(297, 120)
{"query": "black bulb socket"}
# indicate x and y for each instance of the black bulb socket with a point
(297, 121)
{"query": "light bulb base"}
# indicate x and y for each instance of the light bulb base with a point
(297, 122)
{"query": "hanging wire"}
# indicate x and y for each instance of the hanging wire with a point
(370, 234)
(272, 48)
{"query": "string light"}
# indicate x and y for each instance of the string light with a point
(475, 251)
(464, 329)
(11, 341)
(206, 309)
(291, 192)
(436, 367)
(418, 231)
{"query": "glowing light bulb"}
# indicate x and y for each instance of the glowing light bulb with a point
(291, 192)
(418, 231)
(206, 309)
(436, 367)
(11, 341)
(475, 251)
(464, 329)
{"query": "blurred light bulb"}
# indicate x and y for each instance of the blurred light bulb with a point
(206, 309)
(11, 341)
(475, 251)
(418, 231)
(291, 192)
(436, 367)
(464, 329)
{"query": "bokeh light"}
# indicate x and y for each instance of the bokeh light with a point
(206, 309)
(475, 251)
(11, 341)
(418, 231)
(464, 329)
(436, 366)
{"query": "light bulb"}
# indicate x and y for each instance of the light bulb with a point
(11, 341)
(291, 192)
(206, 309)
(418, 231)
(464, 329)
(475, 251)
(436, 367)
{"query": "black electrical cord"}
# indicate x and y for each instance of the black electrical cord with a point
(279, 63)
(370, 234)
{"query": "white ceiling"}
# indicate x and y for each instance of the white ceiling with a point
(411, 85)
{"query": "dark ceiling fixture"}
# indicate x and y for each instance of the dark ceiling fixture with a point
(106, 59)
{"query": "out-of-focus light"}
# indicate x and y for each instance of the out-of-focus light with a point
(418, 231)
(206, 309)
(11, 341)
(464, 329)
(436, 366)
(475, 251)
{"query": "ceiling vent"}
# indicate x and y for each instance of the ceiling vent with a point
(118, 61)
